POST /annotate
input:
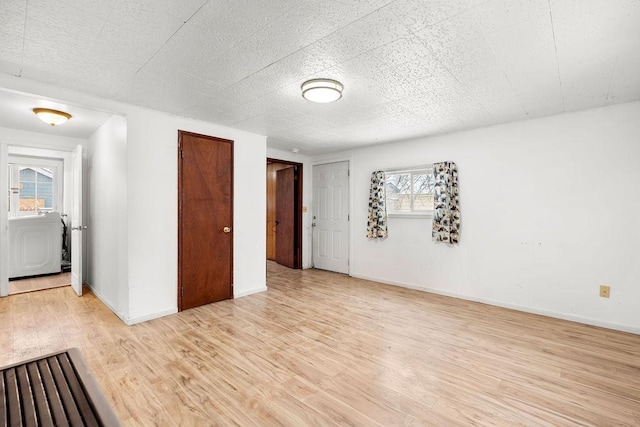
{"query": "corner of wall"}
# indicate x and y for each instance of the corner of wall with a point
(248, 292)
(129, 321)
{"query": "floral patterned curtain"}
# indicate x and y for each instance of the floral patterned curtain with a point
(377, 224)
(446, 208)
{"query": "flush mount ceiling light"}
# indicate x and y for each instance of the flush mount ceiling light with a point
(322, 90)
(52, 117)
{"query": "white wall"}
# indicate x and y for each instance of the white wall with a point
(307, 191)
(106, 216)
(152, 206)
(549, 213)
(17, 137)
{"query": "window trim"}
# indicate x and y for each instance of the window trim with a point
(411, 171)
(412, 215)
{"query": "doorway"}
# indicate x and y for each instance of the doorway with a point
(36, 247)
(284, 212)
(331, 217)
(205, 219)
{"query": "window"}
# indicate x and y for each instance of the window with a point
(410, 193)
(35, 189)
(35, 186)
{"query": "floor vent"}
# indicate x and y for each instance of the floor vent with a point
(54, 390)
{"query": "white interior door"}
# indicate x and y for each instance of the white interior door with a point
(77, 229)
(331, 217)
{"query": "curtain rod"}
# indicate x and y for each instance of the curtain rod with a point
(411, 168)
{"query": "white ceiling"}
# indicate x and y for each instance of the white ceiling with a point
(410, 67)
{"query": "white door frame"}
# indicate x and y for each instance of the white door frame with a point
(76, 225)
(350, 210)
(7, 149)
(4, 221)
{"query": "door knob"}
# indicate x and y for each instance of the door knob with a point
(227, 230)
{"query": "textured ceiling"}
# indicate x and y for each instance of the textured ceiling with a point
(410, 67)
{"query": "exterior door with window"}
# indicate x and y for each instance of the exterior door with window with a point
(331, 217)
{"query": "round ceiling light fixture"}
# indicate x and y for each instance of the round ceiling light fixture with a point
(51, 117)
(322, 90)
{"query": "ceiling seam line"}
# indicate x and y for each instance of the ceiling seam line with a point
(251, 35)
(613, 71)
(524, 110)
(435, 57)
(452, 16)
(555, 48)
(171, 36)
(304, 47)
(104, 24)
(228, 50)
(24, 37)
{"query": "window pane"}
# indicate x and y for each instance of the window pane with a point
(27, 174)
(27, 190)
(27, 195)
(35, 189)
(423, 191)
(45, 195)
(398, 188)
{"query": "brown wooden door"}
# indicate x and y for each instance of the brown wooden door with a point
(272, 170)
(285, 217)
(205, 236)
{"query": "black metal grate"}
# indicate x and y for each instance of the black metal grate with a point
(56, 390)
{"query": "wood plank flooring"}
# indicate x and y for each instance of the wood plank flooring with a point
(325, 349)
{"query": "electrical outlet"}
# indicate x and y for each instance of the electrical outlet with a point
(604, 291)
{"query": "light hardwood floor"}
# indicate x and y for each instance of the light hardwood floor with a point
(321, 349)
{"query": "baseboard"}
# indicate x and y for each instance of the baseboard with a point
(139, 319)
(503, 304)
(132, 320)
(249, 292)
(564, 316)
(105, 302)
